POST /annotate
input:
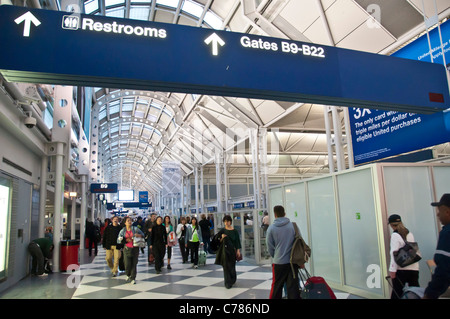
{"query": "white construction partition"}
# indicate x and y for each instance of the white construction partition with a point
(343, 217)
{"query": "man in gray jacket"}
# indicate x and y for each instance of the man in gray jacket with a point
(279, 239)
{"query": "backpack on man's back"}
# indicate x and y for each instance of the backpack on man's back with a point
(300, 252)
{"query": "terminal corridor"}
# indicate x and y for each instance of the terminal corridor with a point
(182, 282)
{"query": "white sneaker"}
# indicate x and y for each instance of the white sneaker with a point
(195, 266)
(133, 282)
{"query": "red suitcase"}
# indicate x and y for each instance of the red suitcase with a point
(315, 287)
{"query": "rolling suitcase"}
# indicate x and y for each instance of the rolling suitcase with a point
(201, 257)
(408, 292)
(314, 287)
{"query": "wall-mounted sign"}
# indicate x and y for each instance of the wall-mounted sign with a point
(152, 56)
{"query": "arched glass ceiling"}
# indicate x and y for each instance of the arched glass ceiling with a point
(133, 128)
(145, 10)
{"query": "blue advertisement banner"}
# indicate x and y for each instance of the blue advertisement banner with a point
(143, 197)
(377, 134)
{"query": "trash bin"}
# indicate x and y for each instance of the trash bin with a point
(69, 254)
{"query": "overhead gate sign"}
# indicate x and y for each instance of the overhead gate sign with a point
(53, 47)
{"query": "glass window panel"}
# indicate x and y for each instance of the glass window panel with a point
(116, 12)
(359, 228)
(154, 112)
(295, 207)
(91, 6)
(139, 114)
(237, 190)
(139, 12)
(324, 238)
(168, 3)
(192, 8)
(151, 117)
(109, 3)
(114, 129)
(441, 178)
(102, 114)
(408, 194)
(213, 20)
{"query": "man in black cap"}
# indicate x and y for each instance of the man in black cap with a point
(440, 280)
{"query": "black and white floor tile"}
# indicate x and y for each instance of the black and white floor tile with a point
(181, 282)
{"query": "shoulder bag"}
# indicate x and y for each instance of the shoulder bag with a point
(408, 254)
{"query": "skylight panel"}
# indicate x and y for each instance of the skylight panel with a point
(90, 6)
(192, 8)
(139, 12)
(168, 3)
(213, 20)
(109, 3)
(115, 12)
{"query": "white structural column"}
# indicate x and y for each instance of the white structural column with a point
(199, 194)
(335, 140)
(42, 195)
(258, 146)
(83, 208)
(73, 212)
(58, 204)
(221, 182)
(196, 181)
(202, 191)
(60, 149)
(92, 215)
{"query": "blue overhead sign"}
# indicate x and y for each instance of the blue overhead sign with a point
(97, 51)
(103, 188)
(377, 134)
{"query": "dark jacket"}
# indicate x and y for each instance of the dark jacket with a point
(226, 253)
(92, 231)
(110, 236)
(158, 235)
(45, 244)
(440, 280)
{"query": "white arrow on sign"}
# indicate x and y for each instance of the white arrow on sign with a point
(216, 41)
(28, 18)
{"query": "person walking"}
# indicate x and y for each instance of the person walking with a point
(194, 240)
(440, 280)
(92, 234)
(401, 275)
(130, 253)
(181, 235)
(205, 226)
(279, 239)
(148, 225)
(113, 249)
(229, 251)
(169, 229)
(158, 243)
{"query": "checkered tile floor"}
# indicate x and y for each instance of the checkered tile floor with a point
(182, 281)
